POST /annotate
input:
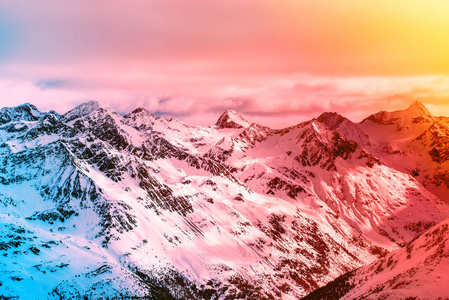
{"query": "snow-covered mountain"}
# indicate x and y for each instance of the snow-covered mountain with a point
(95, 204)
(412, 141)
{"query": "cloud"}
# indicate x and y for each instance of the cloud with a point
(277, 101)
(13, 93)
(52, 83)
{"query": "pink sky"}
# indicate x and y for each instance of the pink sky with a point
(276, 64)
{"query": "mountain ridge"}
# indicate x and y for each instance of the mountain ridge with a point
(157, 207)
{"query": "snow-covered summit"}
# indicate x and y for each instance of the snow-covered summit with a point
(331, 119)
(142, 112)
(81, 110)
(417, 113)
(231, 119)
(141, 118)
(417, 108)
(24, 112)
(349, 129)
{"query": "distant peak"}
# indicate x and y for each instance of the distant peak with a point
(91, 103)
(28, 104)
(140, 110)
(331, 119)
(26, 112)
(418, 107)
(87, 106)
(415, 113)
(231, 119)
(25, 106)
(142, 113)
(232, 112)
(81, 110)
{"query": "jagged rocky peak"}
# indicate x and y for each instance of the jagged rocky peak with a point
(141, 112)
(81, 110)
(231, 119)
(141, 118)
(331, 119)
(24, 112)
(349, 129)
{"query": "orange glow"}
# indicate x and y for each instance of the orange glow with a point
(366, 37)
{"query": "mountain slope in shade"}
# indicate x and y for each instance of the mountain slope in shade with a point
(432, 168)
(417, 271)
(94, 203)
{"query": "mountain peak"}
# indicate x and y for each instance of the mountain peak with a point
(81, 110)
(141, 118)
(231, 119)
(331, 119)
(27, 104)
(418, 107)
(415, 113)
(140, 111)
(26, 112)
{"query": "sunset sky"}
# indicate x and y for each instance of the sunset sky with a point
(276, 62)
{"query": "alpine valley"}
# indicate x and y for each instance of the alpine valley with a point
(97, 205)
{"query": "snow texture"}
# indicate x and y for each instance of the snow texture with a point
(94, 204)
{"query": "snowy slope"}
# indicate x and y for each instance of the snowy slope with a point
(94, 203)
(314, 163)
(412, 141)
(417, 271)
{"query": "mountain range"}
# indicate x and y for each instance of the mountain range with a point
(98, 205)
